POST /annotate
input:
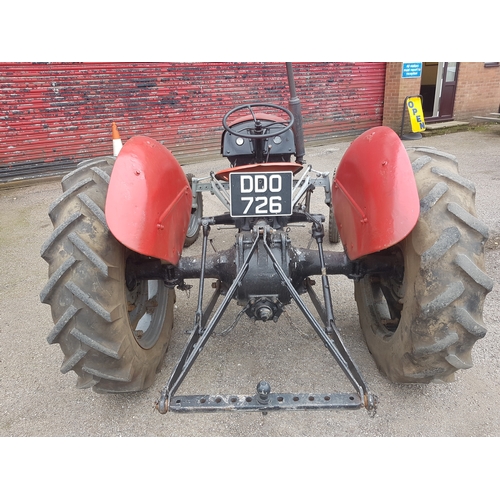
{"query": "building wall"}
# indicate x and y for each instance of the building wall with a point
(396, 90)
(478, 90)
(53, 115)
(478, 93)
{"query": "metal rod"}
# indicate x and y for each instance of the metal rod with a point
(342, 358)
(193, 349)
(199, 310)
(215, 297)
(315, 300)
(294, 105)
(198, 324)
(318, 233)
(291, 80)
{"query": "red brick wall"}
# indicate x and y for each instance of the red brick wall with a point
(478, 91)
(396, 90)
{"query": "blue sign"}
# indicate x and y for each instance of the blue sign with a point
(412, 70)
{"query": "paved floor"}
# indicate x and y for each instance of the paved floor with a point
(37, 400)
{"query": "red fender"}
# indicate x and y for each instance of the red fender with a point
(148, 205)
(374, 194)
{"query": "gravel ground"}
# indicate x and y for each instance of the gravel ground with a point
(37, 400)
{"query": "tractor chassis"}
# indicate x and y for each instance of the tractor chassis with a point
(263, 238)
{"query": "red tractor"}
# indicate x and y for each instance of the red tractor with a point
(406, 219)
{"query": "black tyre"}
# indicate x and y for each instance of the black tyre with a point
(421, 321)
(333, 231)
(194, 226)
(114, 338)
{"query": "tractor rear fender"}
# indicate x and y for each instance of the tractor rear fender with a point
(148, 204)
(374, 194)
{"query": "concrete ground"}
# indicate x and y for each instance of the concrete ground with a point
(37, 400)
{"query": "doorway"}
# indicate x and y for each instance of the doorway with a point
(438, 89)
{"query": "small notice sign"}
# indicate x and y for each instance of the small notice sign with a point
(412, 70)
(414, 105)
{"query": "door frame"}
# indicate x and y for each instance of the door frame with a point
(440, 80)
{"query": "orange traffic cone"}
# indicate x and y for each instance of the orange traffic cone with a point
(117, 142)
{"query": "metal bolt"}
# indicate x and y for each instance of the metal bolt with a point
(263, 391)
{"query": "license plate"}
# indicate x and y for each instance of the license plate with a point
(260, 194)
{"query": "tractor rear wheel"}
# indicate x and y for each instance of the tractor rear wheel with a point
(194, 226)
(333, 231)
(421, 321)
(113, 336)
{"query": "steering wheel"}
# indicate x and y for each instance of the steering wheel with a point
(257, 122)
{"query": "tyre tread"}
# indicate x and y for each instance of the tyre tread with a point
(63, 198)
(438, 346)
(112, 351)
(86, 290)
(55, 278)
(420, 163)
(70, 363)
(435, 194)
(89, 254)
(452, 176)
(116, 376)
(457, 362)
(89, 302)
(444, 275)
(449, 237)
(482, 279)
(94, 208)
(468, 219)
(472, 326)
(64, 320)
(56, 235)
(444, 299)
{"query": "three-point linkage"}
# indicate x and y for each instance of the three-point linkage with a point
(205, 322)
